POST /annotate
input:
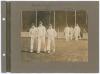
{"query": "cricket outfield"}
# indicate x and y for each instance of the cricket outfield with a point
(70, 51)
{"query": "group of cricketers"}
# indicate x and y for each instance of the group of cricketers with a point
(72, 33)
(40, 33)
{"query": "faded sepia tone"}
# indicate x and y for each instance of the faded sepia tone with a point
(68, 51)
(16, 41)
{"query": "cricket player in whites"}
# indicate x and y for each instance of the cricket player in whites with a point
(41, 37)
(77, 32)
(66, 32)
(33, 35)
(51, 34)
(71, 33)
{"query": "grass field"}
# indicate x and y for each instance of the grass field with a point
(71, 51)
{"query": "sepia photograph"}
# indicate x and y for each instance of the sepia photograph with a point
(54, 36)
(50, 36)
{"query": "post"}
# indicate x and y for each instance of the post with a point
(49, 17)
(36, 18)
(58, 33)
(66, 18)
(75, 17)
(86, 22)
(54, 19)
(86, 19)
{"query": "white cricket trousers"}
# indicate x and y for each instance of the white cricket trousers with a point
(32, 44)
(41, 41)
(67, 37)
(71, 36)
(51, 41)
(76, 36)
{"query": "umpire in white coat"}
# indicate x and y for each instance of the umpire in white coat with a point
(71, 34)
(77, 32)
(41, 37)
(33, 35)
(51, 34)
(66, 32)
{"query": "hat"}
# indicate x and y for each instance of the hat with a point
(41, 22)
(50, 24)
